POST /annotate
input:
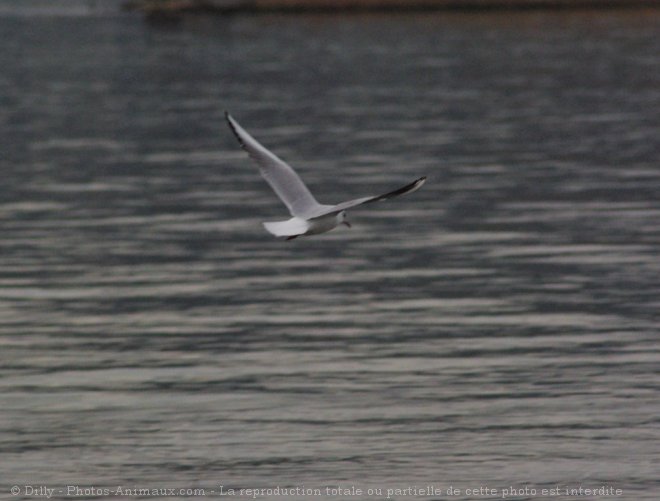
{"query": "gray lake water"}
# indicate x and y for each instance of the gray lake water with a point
(496, 330)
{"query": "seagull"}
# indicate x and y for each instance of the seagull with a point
(309, 217)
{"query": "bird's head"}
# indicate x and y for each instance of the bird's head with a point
(341, 219)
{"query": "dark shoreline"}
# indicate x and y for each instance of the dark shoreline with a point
(223, 7)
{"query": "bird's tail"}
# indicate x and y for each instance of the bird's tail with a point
(289, 228)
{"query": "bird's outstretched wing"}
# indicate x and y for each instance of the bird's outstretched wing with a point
(409, 188)
(281, 177)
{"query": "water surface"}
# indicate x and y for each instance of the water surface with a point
(498, 328)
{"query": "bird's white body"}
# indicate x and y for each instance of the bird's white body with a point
(326, 223)
(309, 216)
(297, 226)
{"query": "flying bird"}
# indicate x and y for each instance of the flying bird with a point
(309, 217)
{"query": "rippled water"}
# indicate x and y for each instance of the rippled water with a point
(496, 329)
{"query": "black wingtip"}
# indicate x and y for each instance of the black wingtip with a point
(230, 119)
(414, 186)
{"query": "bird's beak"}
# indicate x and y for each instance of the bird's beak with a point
(347, 224)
